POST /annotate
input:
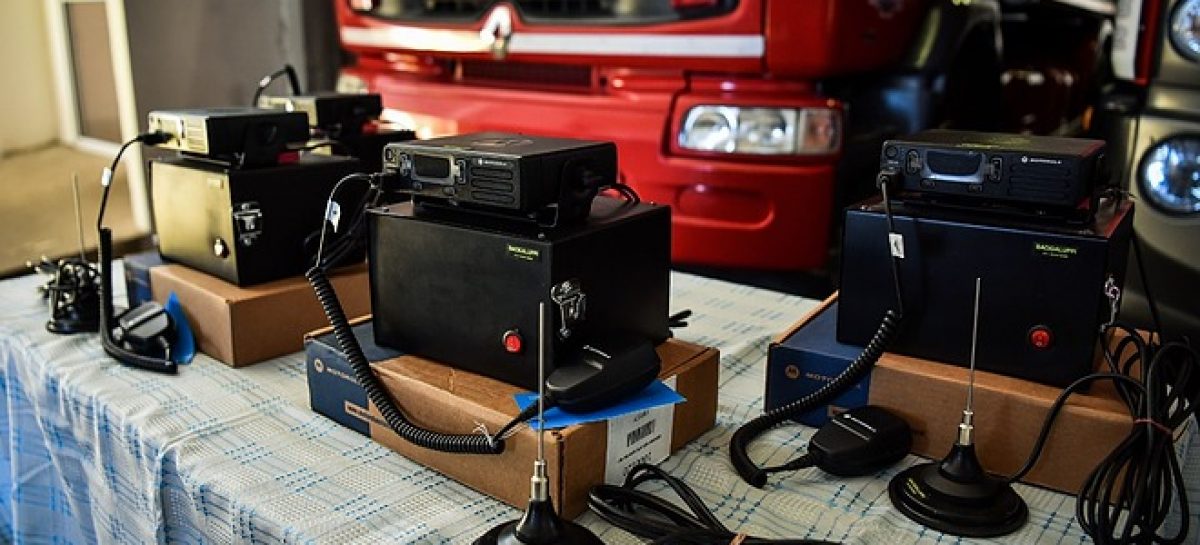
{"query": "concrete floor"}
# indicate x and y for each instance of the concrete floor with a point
(37, 214)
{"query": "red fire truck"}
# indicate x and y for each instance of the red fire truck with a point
(734, 112)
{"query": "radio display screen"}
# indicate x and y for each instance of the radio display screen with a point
(425, 166)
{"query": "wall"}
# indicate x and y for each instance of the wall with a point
(199, 54)
(212, 53)
(28, 116)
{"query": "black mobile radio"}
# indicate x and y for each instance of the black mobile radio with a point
(550, 181)
(1039, 173)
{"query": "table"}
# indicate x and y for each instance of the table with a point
(95, 452)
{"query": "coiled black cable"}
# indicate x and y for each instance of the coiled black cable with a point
(649, 516)
(1128, 496)
(339, 248)
(739, 444)
(452, 443)
(889, 326)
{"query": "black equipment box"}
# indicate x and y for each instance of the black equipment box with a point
(339, 114)
(368, 146)
(464, 289)
(349, 119)
(1043, 296)
(241, 136)
(246, 226)
(548, 180)
(1040, 172)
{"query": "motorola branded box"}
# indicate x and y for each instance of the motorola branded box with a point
(1040, 172)
(246, 226)
(464, 290)
(137, 276)
(454, 401)
(549, 180)
(242, 136)
(1043, 296)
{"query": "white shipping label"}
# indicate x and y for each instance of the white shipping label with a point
(641, 437)
(896, 242)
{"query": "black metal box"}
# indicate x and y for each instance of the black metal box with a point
(464, 290)
(1043, 286)
(246, 226)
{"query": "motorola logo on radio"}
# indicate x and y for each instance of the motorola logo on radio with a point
(1041, 160)
(483, 162)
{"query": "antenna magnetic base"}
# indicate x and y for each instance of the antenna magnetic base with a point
(957, 497)
(540, 526)
(506, 534)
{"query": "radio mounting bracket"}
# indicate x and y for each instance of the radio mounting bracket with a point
(571, 301)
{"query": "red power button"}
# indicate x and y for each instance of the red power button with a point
(1040, 337)
(513, 343)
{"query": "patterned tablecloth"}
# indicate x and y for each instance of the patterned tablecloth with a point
(95, 452)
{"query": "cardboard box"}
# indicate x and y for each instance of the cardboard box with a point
(930, 397)
(241, 326)
(452, 401)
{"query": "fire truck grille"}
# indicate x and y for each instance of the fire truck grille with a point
(560, 11)
(526, 74)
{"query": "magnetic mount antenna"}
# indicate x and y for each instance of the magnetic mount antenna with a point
(71, 288)
(540, 524)
(78, 216)
(956, 496)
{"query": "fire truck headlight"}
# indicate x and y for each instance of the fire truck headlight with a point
(1170, 175)
(1185, 29)
(709, 128)
(761, 131)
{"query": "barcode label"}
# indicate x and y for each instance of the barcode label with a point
(641, 432)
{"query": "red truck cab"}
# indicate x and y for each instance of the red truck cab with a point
(716, 106)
